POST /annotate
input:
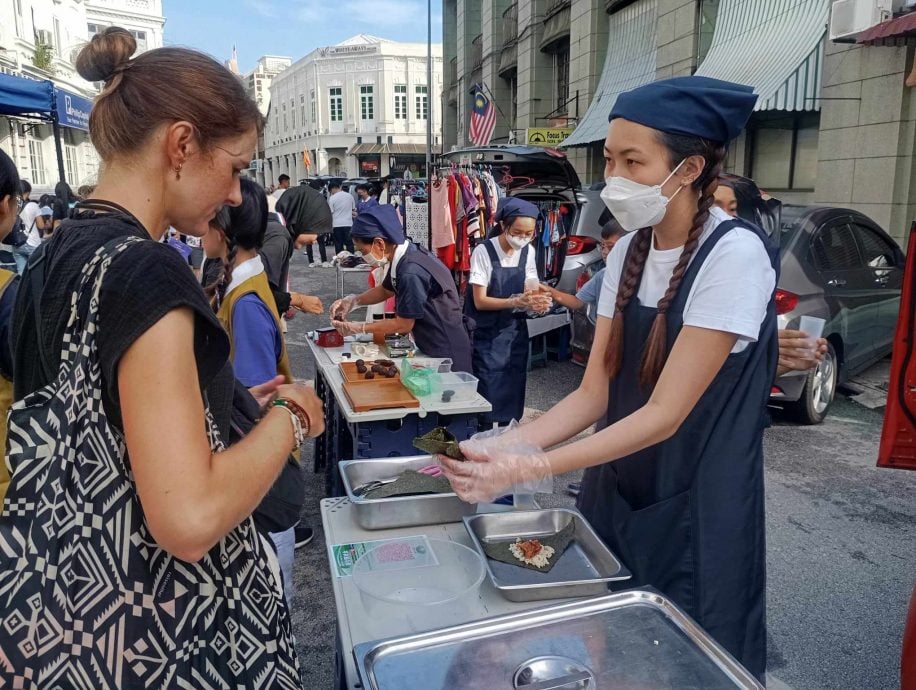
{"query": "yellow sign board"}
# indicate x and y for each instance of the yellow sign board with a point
(546, 136)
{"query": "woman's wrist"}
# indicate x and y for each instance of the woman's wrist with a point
(297, 410)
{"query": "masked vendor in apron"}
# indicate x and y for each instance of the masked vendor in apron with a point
(679, 375)
(426, 299)
(497, 302)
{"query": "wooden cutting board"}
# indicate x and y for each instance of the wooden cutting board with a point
(383, 395)
(351, 375)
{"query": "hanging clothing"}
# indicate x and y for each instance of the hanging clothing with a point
(425, 292)
(501, 338)
(442, 231)
(687, 515)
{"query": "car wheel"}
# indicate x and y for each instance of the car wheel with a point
(819, 391)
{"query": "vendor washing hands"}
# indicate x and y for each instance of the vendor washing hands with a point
(427, 304)
(679, 375)
(500, 269)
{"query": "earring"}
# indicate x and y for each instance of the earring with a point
(177, 169)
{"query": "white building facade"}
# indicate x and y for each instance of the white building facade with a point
(359, 109)
(257, 83)
(40, 39)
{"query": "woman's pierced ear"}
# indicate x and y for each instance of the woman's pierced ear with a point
(177, 170)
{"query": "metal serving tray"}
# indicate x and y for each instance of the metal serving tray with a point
(398, 511)
(634, 639)
(583, 570)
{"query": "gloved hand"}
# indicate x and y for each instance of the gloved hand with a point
(539, 303)
(342, 307)
(346, 328)
(499, 461)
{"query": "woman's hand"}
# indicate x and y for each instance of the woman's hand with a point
(795, 353)
(346, 328)
(304, 395)
(493, 470)
(307, 303)
(267, 391)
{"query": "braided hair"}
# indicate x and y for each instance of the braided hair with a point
(244, 227)
(655, 353)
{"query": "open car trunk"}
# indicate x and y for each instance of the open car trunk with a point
(535, 174)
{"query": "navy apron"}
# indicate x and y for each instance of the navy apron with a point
(501, 342)
(687, 515)
(446, 335)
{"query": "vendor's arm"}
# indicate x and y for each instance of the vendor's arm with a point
(375, 295)
(386, 326)
(697, 356)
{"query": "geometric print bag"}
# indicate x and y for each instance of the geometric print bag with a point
(88, 601)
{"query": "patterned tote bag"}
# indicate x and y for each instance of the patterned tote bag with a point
(87, 598)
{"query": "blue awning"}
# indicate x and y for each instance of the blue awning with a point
(19, 96)
(72, 110)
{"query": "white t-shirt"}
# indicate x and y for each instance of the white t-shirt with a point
(731, 291)
(278, 193)
(27, 215)
(481, 267)
(342, 207)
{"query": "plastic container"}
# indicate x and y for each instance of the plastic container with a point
(437, 364)
(417, 597)
(463, 387)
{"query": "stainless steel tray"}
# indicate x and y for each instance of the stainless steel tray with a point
(634, 639)
(401, 511)
(583, 570)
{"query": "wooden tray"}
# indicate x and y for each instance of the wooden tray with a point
(350, 375)
(384, 395)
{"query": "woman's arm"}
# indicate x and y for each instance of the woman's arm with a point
(697, 356)
(191, 496)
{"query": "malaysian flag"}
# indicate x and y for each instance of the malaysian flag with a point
(483, 118)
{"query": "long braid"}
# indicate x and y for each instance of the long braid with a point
(228, 267)
(656, 352)
(629, 281)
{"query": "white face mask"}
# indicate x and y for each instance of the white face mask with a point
(518, 243)
(374, 261)
(636, 205)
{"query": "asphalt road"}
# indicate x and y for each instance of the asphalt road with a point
(841, 552)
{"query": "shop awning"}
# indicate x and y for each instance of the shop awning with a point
(776, 46)
(891, 31)
(393, 149)
(19, 96)
(630, 62)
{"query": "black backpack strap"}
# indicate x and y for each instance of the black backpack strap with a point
(35, 274)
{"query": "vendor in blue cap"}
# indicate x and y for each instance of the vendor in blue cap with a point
(498, 301)
(679, 375)
(426, 299)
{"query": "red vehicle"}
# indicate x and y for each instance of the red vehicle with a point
(898, 437)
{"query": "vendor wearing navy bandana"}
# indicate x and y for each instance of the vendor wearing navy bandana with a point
(497, 301)
(426, 299)
(679, 375)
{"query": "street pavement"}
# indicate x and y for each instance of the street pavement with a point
(840, 543)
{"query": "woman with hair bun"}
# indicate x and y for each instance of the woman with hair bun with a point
(155, 575)
(679, 374)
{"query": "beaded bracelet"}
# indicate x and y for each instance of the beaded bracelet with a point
(299, 437)
(296, 409)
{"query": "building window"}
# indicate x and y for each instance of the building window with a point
(285, 121)
(70, 163)
(140, 37)
(366, 102)
(422, 99)
(95, 29)
(400, 101)
(37, 161)
(58, 47)
(19, 19)
(292, 111)
(312, 99)
(706, 27)
(302, 115)
(784, 150)
(337, 104)
(561, 72)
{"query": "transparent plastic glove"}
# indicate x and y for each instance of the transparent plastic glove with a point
(492, 471)
(539, 303)
(484, 477)
(346, 328)
(342, 307)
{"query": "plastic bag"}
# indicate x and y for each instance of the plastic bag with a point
(420, 381)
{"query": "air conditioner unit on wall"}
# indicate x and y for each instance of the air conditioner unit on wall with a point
(851, 17)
